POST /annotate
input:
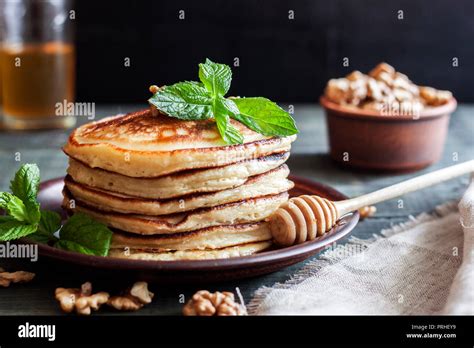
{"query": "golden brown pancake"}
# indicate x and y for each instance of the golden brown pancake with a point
(272, 182)
(216, 237)
(140, 144)
(234, 251)
(247, 211)
(179, 184)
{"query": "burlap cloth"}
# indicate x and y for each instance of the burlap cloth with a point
(423, 266)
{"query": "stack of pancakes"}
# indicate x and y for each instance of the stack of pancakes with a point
(172, 189)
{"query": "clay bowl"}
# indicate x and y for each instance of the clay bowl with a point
(370, 140)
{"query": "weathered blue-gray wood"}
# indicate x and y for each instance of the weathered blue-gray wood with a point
(308, 159)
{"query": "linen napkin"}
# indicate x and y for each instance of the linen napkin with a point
(421, 267)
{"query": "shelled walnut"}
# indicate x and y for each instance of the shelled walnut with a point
(134, 299)
(337, 90)
(382, 68)
(434, 96)
(6, 278)
(367, 211)
(205, 303)
(383, 88)
(82, 300)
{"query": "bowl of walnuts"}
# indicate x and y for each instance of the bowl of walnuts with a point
(383, 121)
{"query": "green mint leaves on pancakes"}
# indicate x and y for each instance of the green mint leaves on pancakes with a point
(206, 99)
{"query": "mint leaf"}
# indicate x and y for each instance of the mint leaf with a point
(78, 248)
(264, 116)
(184, 100)
(49, 224)
(14, 206)
(25, 186)
(33, 210)
(17, 209)
(26, 182)
(227, 131)
(21, 206)
(215, 77)
(230, 106)
(200, 101)
(5, 218)
(83, 234)
(14, 229)
(41, 237)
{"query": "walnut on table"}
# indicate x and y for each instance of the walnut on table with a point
(367, 211)
(134, 299)
(205, 303)
(6, 278)
(82, 300)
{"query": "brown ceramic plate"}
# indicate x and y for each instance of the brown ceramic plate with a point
(202, 270)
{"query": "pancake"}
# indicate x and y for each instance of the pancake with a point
(179, 184)
(140, 144)
(225, 253)
(216, 237)
(249, 210)
(272, 182)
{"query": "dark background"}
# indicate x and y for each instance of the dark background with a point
(285, 60)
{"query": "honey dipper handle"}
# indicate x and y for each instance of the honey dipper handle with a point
(417, 183)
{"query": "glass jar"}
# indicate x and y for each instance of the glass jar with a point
(37, 59)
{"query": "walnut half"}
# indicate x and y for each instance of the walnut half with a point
(434, 97)
(6, 278)
(134, 299)
(82, 300)
(205, 303)
(383, 88)
(367, 211)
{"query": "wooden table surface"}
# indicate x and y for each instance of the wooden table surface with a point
(308, 158)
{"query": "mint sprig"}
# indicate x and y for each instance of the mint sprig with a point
(25, 219)
(205, 100)
(22, 209)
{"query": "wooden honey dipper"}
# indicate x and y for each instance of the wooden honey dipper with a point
(305, 217)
